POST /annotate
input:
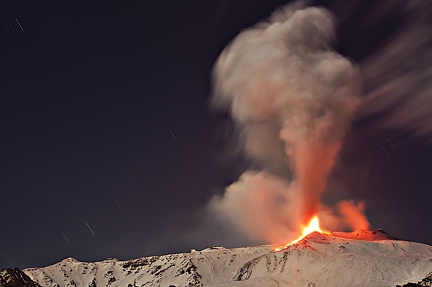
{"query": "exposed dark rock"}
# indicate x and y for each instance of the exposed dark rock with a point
(425, 282)
(13, 277)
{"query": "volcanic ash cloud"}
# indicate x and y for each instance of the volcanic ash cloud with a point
(292, 99)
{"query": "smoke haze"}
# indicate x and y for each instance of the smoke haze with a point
(292, 99)
(398, 87)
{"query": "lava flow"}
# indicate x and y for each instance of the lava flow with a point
(313, 226)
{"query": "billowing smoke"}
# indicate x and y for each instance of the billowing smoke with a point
(292, 99)
(345, 214)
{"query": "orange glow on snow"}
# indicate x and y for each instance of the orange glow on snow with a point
(313, 226)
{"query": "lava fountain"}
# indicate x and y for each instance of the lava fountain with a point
(312, 226)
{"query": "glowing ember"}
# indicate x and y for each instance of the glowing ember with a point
(313, 226)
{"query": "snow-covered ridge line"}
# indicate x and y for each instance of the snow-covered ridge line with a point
(317, 260)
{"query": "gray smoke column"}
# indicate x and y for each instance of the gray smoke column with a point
(292, 99)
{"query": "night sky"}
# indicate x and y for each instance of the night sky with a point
(109, 147)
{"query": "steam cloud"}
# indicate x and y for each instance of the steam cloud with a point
(292, 99)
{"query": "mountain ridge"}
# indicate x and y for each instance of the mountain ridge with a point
(317, 260)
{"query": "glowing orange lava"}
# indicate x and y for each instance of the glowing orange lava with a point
(311, 227)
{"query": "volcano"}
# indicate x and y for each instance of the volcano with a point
(364, 258)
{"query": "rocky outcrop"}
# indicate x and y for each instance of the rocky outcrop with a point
(13, 277)
(425, 282)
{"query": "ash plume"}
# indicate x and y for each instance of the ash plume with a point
(292, 99)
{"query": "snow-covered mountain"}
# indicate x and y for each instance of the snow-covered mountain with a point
(317, 260)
